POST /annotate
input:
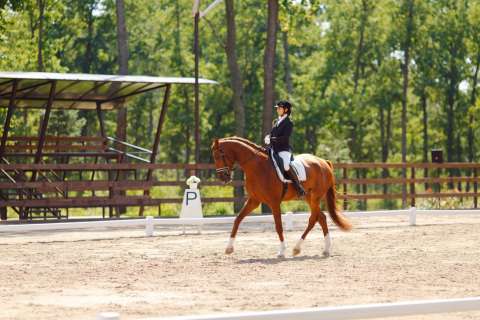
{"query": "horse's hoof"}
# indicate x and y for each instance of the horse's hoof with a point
(296, 251)
(326, 254)
(229, 250)
(281, 255)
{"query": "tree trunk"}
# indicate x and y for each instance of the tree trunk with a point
(354, 142)
(185, 93)
(451, 93)
(269, 67)
(122, 44)
(423, 99)
(385, 137)
(87, 68)
(473, 99)
(269, 73)
(471, 118)
(458, 150)
(41, 18)
(235, 73)
(286, 65)
(405, 71)
(360, 45)
(237, 88)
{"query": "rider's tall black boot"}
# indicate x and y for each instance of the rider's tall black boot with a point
(298, 185)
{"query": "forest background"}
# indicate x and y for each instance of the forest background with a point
(370, 81)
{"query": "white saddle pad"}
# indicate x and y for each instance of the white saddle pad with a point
(296, 165)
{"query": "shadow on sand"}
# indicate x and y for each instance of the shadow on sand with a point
(282, 260)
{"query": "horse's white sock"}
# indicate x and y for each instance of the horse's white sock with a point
(282, 248)
(328, 243)
(231, 241)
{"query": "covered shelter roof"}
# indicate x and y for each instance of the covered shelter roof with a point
(78, 91)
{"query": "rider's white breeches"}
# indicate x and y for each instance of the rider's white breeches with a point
(286, 156)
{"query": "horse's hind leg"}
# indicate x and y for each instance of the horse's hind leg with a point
(322, 220)
(248, 207)
(315, 210)
(311, 223)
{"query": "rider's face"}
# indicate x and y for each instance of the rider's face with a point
(280, 111)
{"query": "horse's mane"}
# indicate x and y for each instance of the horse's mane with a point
(247, 142)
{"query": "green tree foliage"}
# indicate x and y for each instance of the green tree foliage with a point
(339, 62)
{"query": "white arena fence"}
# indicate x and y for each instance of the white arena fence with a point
(351, 312)
(150, 222)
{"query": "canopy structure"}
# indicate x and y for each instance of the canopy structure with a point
(24, 190)
(79, 91)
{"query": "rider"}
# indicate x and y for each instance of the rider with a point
(279, 139)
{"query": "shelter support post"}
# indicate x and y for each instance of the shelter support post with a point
(6, 129)
(156, 141)
(43, 128)
(41, 139)
(6, 126)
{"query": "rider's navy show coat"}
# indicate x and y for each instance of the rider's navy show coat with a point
(280, 135)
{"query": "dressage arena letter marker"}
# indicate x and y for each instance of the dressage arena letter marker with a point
(191, 196)
(192, 205)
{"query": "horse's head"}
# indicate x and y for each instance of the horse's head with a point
(223, 162)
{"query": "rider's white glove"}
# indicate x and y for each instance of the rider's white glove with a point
(267, 139)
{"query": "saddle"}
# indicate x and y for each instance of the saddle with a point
(295, 164)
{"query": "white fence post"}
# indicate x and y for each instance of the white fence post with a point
(289, 221)
(149, 226)
(413, 216)
(108, 316)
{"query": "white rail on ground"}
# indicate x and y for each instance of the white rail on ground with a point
(365, 311)
(149, 222)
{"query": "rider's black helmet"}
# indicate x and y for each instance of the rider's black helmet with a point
(286, 105)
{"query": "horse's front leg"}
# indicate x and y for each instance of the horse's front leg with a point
(248, 207)
(277, 216)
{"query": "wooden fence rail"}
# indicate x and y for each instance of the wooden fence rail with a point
(97, 184)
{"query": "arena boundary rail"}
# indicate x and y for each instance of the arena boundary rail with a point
(357, 183)
(150, 222)
(349, 312)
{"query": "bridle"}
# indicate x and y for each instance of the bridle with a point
(225, 169)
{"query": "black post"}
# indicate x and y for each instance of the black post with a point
(412, 187)
(197, 106)
(475, 189)
(345, 202)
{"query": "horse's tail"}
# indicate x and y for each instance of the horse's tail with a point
(340, 220)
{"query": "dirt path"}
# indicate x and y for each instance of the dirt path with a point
(57, 275)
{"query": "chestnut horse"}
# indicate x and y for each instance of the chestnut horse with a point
(264, 186)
